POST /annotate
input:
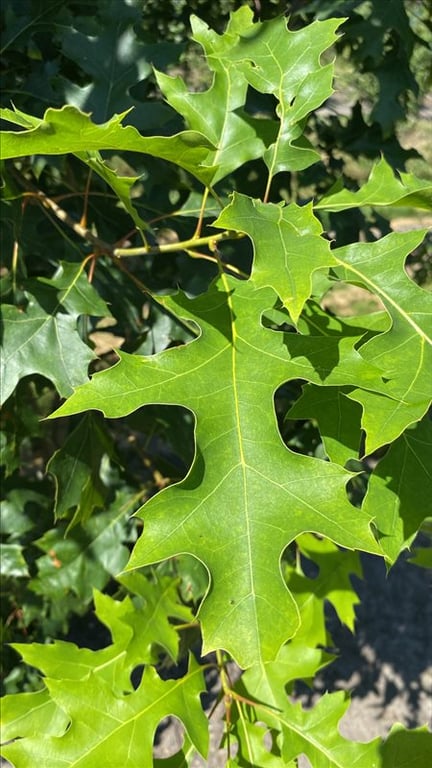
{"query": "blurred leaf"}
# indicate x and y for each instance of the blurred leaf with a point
(402, 747)
(12, 561)
(30, 714)
(87, 558)
(76, 468)
(421, 556)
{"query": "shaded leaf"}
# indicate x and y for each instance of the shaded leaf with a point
(403, 747)
(75, 293)
(12, 561)
(339, 420)
(36, 342)
(400, 489)
(76, 468)
(90, 554)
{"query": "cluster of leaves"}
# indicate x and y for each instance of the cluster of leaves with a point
(200, 257)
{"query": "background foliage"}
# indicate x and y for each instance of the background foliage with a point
(70, 485)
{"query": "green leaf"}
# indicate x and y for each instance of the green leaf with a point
(227, 127)
(30, 715)
(223, 512)
(293, 236)
(75, 293)
(121, 185)
(339, 420)
(76, 468)
(90, 554)
(333, 582)
(63, 660)
(422, 557)
(36, 342)
(70, 130)
(400, 489)
(313, 732)
(383, 188)
(404, 352)
(286, 64)
(12, 561)
(126, 724)
(148, 629)
(407, 748)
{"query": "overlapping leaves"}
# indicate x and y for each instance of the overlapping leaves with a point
(246, 496)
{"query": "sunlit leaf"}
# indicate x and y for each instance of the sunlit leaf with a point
(70, 130)
(383, 188)
(236, 365)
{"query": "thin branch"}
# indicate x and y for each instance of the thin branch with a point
(111, 249)
(180, 245)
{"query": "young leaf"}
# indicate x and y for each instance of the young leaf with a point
(313, 732)
(148, 629)
(243, 479)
